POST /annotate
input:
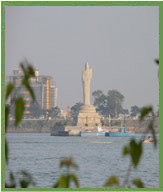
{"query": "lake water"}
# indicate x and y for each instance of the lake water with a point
(97, 157)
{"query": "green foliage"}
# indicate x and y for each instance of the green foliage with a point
(138, 183)
(62, 182)
(145, 111)
(68, 162)
(113, 180)
(157, 61)
(101, 103)
(115, 100)
(151, 129)
(134, 150)
(13, 182)
(75, 109)
(26, 179)
(6, 151)
(28, 73)
(73, 178)
(7, 111)
(54, 112)
(9, 89)
(97, 93)
(108, 104)
(19, 110)
(65, 179)
(135, 110)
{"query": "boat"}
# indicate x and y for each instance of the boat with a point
(123, 132)
(100, 132)
(148, 140)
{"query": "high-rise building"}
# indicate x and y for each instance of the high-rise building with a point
(43, 86)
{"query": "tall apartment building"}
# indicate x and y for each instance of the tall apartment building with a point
(43, 87)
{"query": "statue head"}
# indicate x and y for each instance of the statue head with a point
(86, 65)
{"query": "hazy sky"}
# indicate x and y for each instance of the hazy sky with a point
(119, 43)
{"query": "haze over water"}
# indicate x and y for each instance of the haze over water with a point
(97, 157)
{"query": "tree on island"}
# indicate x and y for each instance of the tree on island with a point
(101, 103)
(110, 104)
(115, 99)
(135, 110)
(75, 110)
(54, 112)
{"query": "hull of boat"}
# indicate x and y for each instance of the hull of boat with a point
(92, 134)
(119, 134)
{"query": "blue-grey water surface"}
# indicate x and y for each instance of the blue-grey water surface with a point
(97, 157)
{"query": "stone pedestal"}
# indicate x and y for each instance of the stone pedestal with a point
(88, 117)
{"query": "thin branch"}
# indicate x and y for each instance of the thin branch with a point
(127, 176)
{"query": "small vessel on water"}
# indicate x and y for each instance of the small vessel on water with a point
(123, 132)
(93, 134)
(149, 140)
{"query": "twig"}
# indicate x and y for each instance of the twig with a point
(127, 176)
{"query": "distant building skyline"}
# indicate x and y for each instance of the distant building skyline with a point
(119, 43)
(44, 89)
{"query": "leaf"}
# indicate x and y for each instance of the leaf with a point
(24, 183)
(135, 151)
(145, 111)
(26, 174)
(19, 110)
(9, 89)
(113, 180)
(23, 68)
(68, 162)
(28, 87)
(6, 151)
(74, 178)
(7, 111)
(56, 185)
(62, 182)
(157, 61)
(151, 129)
(138, 183)
(31, 71)
(125, 151)
(28, 72)
(12, 178)
(27, 179)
